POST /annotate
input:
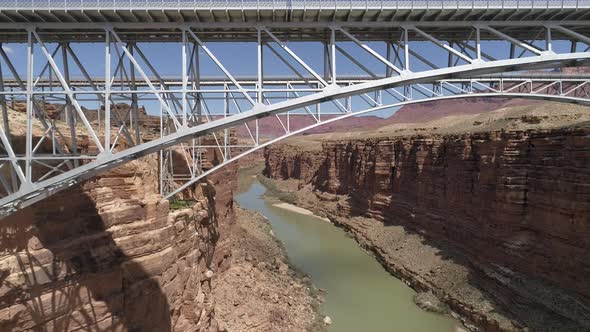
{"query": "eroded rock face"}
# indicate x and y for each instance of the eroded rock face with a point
(111, 254)
(518, 201)
(290, 162)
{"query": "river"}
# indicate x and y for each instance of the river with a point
(361, 295)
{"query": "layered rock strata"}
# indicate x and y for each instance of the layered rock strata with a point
(515, 204)
(112, 255)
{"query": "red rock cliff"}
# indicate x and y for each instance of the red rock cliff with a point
(515, 200)
(111, 255)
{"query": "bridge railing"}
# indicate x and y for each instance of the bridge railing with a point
(289, 4)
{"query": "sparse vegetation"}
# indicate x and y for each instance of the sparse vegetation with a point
(177, 204)
(274, 191)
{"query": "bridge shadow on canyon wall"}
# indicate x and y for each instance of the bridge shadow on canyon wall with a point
(94, 259)
(111, 255)
(457, 195)
(62, 270)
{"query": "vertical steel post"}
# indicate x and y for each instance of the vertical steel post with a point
(450, 56)
(29, 130)
(333, 55)
(326, 61)
(318, 108)
(184, 79)
(260, 67)
(161, 161)
(134, 102)
(478, 43)
(260, 97)
(191, 117)
(107, 93)
(548, 40)
(197, 73)
(349, 103)
(44, 98)
(226, 140)
(287, 87)
(388, 70)
(406, 51)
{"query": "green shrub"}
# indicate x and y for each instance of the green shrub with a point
(177, 204)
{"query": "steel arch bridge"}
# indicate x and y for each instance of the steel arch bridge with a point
(74, 75)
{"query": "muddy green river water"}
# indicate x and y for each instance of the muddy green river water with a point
(361, 295)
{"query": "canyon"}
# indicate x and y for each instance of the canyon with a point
(413, 113)
(111, 254)
(495, 222)
(487, 211)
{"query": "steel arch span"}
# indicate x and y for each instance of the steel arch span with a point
(175, 188)
(67, 117)
(169, 180)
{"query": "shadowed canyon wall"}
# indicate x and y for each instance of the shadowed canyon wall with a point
(519, 201)
(112, 255)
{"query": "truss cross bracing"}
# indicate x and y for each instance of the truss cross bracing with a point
(90, 87)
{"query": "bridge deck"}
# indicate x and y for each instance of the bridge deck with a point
(231, 11)
(231, 20)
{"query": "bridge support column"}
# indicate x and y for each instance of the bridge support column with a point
(134, 118)
(30, 101)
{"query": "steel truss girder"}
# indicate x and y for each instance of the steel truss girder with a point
(461, 80)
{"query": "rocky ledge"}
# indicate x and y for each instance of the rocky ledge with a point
(260, 291)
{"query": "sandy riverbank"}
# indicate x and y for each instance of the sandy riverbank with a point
(300, 210)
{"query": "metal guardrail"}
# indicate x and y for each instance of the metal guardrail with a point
(291, 4)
